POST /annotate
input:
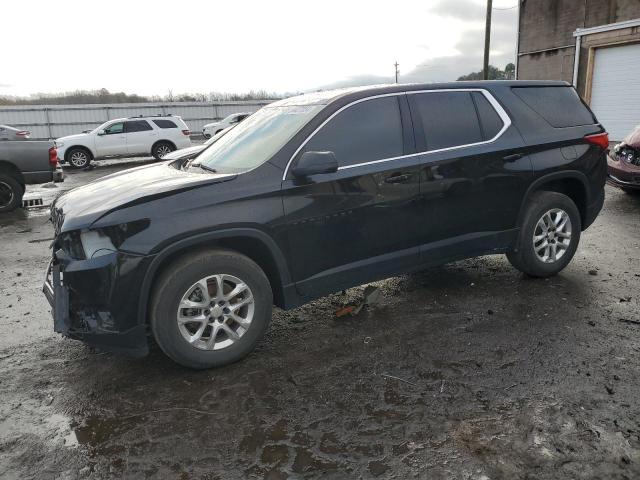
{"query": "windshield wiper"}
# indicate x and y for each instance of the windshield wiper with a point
(203, 167)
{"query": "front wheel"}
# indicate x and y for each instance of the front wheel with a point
(549, 235)
(78, 158)
(11, 193)
(211, 308)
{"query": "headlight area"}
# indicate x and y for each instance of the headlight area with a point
(87, 244)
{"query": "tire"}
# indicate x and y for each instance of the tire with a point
(11, 192)
(206, 136)
(540, 263)
(218, 131)
(178, 284)
(161, 149)
(78, 158)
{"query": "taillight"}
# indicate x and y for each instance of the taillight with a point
(186, 132)
(600, 139)
(53, 157)
(23, 133)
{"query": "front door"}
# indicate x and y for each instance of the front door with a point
(113, 141)
(356, 224)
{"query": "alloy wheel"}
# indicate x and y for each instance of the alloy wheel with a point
(215, 312)
(79, 159)
(552, 235)
(163, 150)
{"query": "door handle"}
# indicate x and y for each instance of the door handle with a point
(513, 157)
(401, 178)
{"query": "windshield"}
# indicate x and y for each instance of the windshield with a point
(256, 139)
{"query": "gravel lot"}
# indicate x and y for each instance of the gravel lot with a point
(468, 371)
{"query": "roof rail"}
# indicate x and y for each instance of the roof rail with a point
(155, 115)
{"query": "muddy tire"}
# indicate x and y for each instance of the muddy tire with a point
(78, 158)
(211, 308)
(549, 235)
(11, 192)
(161, 149)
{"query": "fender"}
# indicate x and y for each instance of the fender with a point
(574, 174)
(80, 145)
(202, 238)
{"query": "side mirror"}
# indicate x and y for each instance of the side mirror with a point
(102, 132)
(312, 163)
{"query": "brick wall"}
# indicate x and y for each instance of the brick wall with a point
(547, 45)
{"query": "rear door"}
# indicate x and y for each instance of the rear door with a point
(346, 227)
(140, 136)
(473, 174)
(113, 142)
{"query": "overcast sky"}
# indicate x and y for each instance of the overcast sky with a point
(148, 47)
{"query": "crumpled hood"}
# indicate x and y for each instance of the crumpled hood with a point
(184, 152)
(82, 206)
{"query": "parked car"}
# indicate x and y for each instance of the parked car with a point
(623, 164)
(125, 137)
(22, 163)
(193, 151)
(318, 193)
(10, 133)
(211, 129)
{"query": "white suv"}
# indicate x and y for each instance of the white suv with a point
(125, 137)
(210, 129)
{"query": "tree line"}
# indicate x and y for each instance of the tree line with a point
(105, 96)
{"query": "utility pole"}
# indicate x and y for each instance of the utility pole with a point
(487, 41)
(397, 71)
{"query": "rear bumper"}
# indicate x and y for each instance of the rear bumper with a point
(96, 300)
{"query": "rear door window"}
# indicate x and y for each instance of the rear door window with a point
(490, 121)
(133, 126)
(444, 120)
(367, 131)
(559, 106)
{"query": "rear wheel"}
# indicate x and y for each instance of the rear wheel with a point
(11, 193)
(210, 309)
(78, 158)
(161, 149)
(549, 235)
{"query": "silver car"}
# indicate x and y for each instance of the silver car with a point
(10, 133)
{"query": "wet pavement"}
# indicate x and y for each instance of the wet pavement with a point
(469, 371)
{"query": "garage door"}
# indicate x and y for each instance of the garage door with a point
(615, 89)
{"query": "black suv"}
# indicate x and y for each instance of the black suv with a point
(318, 193)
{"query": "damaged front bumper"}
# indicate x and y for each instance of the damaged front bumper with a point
(96, 300)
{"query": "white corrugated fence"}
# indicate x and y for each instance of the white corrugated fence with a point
(54, 121)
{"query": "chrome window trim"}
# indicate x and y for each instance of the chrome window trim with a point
(506, 123)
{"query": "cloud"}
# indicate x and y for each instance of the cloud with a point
(470, 46)
(459, 9)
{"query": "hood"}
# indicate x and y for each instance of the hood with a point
(82, 206)
(72, 137)
(184, 152)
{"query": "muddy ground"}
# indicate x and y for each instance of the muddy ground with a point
(468, 371)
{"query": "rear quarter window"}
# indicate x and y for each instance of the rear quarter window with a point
(490, 121)
(559, 106)
(165, 124)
